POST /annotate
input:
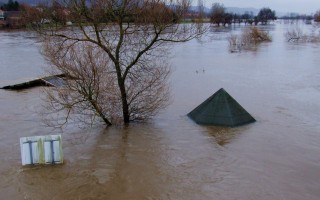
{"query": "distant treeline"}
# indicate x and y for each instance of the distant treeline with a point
(219, 16)
(293, 16)
(21, 15)
(297, 17)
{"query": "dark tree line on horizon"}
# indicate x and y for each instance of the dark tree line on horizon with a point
(219, 16)
(11, 6)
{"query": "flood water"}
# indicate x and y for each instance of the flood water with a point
(171, 157)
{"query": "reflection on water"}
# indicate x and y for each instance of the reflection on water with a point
(221, 135)
(171, 157)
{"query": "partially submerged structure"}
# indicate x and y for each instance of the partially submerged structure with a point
(41, 150)
(54, 80)
(222, 110)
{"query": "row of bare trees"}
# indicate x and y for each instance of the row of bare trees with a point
(219, 16)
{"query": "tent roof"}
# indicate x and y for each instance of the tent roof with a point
(222, 110)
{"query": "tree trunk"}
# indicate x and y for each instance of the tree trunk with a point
(125, 106)
(124, 101)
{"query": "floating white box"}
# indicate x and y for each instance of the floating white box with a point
(41, 150)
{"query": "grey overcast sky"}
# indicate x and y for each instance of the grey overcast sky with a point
(300, 6)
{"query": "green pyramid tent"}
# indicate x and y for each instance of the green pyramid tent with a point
(222, 110)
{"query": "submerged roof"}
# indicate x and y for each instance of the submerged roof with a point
(222, 110)
(53, 80)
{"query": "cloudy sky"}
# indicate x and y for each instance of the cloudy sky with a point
(300, 6)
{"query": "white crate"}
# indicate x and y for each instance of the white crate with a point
(41, 150)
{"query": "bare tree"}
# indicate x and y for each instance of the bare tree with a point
(117, 50)
(217, 13)
(90, 92)
(254, 35)
(317, 16)
(250, 37)
(201, 12)
(266, 14)
(296, 34)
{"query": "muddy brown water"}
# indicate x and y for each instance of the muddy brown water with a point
(170, 157)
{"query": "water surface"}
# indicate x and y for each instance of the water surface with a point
(170, 157)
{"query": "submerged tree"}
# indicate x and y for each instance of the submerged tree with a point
(317, 16)
(114, 57)
(249, 38)
(217, 14)
(297, 35)
(266, 14)
(201, 12)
